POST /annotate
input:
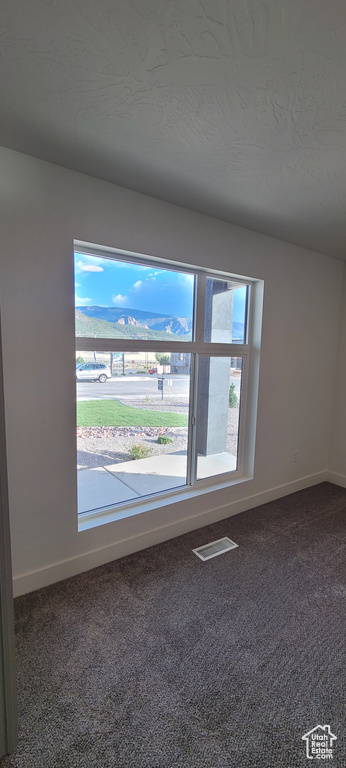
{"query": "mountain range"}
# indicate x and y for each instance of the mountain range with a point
(126, 323)
(127, 328)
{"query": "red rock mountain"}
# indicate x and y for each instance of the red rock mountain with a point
(128, 320)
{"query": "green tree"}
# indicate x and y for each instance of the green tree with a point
(233, 400)
(80, 359)
(163, 359)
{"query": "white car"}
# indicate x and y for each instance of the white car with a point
(93, 372)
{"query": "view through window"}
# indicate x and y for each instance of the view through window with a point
(160, 378)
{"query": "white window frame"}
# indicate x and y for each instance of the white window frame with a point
(197, 348)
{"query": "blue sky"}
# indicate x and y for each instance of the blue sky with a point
(108, 283)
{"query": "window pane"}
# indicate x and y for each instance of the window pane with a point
(121, 300)
(132, 425)
(218, 415)
(225, 312)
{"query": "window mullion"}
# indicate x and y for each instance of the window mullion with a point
(199, 310)
(194, 448)
(243, 412)
(223, 350)
(192, 438)
(130, 345)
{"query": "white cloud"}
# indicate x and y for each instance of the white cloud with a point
(138, 284)
(89, 267)
(77, 285)
(81, 302)
(119, 299)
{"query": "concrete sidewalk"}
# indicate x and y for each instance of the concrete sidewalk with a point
(114, 483)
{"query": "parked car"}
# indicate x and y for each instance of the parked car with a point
(152, 370)
(93, 372)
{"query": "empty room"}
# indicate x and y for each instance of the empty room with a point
(172, 383)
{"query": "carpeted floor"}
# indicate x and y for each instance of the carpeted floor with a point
(159, 660)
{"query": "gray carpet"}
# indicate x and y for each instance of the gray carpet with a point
(159, 660)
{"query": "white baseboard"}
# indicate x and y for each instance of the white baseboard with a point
(333, 477)
(28, 582)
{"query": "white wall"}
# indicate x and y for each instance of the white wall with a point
(337, 460)
(43, 207)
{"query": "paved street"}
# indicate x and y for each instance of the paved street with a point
(133, 387)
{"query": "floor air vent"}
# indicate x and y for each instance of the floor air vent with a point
(215, 548)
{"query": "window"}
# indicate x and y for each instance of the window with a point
(163, 363)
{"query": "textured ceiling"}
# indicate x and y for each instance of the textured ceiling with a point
(236, 108)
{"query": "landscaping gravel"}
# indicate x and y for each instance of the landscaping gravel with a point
(100, 446)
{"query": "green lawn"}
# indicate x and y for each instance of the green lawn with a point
(111, 413)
